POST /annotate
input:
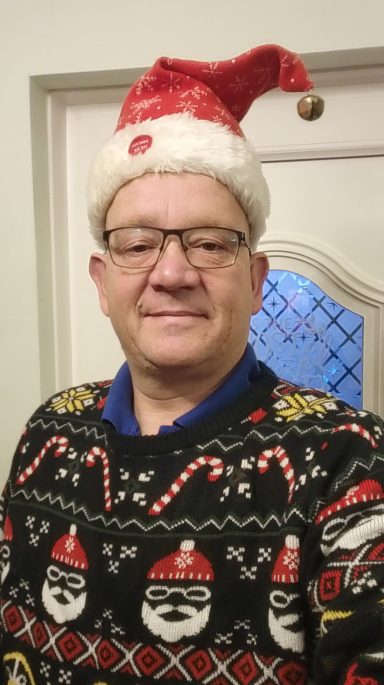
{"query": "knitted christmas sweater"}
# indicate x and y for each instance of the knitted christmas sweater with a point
(245, 550)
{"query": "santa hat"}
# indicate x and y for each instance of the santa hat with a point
(8, 530)
(286, 568)
(366, 491)
(184, 115)
(68, 550)
(185, 564)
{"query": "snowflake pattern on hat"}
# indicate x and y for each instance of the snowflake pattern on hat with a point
(286, 568)
(68, 550)
(184, 115)
(185, 564)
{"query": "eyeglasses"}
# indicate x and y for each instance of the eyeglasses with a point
(140, 247)
(197, 593)
(73, 579)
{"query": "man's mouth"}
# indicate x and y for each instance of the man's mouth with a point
(176, 313)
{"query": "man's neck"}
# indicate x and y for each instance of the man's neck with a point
(156, 404)
(161, 397)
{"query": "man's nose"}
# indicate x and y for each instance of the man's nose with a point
(173, 269)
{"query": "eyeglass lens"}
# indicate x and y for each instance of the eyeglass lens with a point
(138, 247)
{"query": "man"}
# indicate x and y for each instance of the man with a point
(225, 527)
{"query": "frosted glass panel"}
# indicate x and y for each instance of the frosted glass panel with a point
(308, 338)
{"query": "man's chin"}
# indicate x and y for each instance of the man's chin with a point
(175, 359)
(167, 350)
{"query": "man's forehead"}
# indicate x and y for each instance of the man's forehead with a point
(195, 199)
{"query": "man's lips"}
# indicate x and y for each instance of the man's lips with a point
(176, 313)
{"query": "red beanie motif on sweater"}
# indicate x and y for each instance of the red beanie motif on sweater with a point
(68, 550)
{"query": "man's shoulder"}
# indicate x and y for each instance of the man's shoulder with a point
(87, 399)
(65, 412)
(294, 403)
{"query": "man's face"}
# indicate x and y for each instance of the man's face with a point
(173, 315)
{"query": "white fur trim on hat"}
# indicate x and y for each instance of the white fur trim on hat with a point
(179, 143)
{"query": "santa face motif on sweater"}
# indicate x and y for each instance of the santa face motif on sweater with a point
(5, 553)
(284, 615)
(174, 612)
(64, 593)
(177, 601)
(285, 620)
(339, 535)
(5, 561)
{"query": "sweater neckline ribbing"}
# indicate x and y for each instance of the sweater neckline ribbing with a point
(258, 394)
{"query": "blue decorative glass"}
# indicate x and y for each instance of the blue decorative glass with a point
(309, 339)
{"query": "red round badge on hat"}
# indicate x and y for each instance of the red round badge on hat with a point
(139, 145)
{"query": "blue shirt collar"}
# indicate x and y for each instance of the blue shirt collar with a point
(118, 409)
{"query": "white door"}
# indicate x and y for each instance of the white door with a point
(326, 223)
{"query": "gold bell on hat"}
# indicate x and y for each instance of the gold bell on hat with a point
(310, 107)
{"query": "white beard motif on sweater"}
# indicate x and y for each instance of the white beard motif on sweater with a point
(5, 562)
(284, 621)
(173, 613)
(349, 532)
(64, 594)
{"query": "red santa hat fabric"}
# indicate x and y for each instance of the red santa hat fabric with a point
(185, 564)
(184, 115)
(286, 568)
(8, 530)
(366, 491)
(68, 550)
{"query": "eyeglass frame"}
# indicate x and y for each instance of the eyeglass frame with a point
(241, 238)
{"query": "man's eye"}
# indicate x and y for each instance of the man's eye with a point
(135, 248)
(140, 247)
(208, 246)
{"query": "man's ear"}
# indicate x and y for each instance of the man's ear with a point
(259, 272)
(97, 271)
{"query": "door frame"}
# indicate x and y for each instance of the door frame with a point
(51, 94)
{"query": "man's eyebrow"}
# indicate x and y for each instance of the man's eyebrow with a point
(149, 221)
(138, 220)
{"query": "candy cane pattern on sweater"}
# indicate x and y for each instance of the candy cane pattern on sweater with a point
(216, 469)
(62, 443)
(92, 455)
(286, 466)
(356, 428)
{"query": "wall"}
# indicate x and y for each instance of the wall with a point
(57, 36)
